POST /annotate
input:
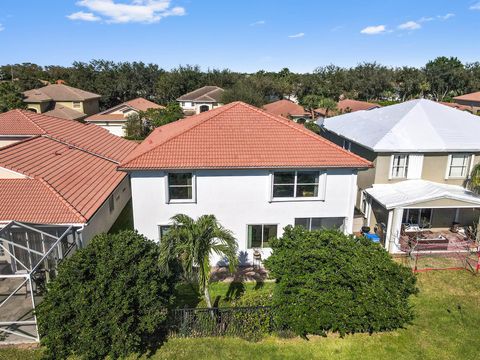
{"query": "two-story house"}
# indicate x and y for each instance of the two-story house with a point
(256, 172)
(471, 101)
(115, 118)
(62, 101)
(204, 99)
(423, 153)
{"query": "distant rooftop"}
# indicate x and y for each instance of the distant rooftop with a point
(285, 108)
(475, 96)
(204, 94)
(58, 92)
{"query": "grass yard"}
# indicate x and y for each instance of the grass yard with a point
(446, 327)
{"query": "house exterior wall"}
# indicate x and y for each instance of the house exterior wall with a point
(113, 128)
(9, 174)
(90, 107)
(8, 140)
(194, 107)
(103, 219)
(238, 198)
(39, 107)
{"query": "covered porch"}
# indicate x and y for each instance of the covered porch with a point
(423, 216)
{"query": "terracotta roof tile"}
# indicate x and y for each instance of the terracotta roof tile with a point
(142, 104)
(475, 96)
(58, 92)
(350, 105)
(89, 137)
(80, 180)
(285, 108)
(237, 135)
(42, 204)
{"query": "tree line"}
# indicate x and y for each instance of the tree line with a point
(440, 79)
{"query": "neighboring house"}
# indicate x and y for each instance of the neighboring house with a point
(67, 175)
(423, 153)
(472, 100)
(114, 119)
(347, 106)
(458, 106)
(288, 109)
(62, 101)
(256, 172)
(201, 100)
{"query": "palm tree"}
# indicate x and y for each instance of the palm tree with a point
(328, 105)
(313, 102)
(192, 242)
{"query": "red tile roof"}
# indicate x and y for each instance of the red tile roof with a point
(89, 137)
(43, 204)
(457, 106)
(58, 92)
(349, 105)
(107, 117)
(285, 108)
(475, 96)
(239, 136)
(142, 104)
(81, 181)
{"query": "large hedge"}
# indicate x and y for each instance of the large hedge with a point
(109, 298)
(331, 282)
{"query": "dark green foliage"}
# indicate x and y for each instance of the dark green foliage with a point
(446, 76)
(158, 117)
(10, 97)
(109, 298)
(331, 282)
(310, 125)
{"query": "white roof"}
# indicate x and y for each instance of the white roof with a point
(410, 192)
(413, 126)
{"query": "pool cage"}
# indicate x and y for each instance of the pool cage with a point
(29, 256)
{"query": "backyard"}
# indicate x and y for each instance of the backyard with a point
(446, 327)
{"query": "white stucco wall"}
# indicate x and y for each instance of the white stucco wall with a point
(115, 129)
(238, 198)
(103, 219)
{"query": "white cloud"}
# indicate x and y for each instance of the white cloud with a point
(446, 16)
(1, 27)
(426, 19)
(475, 6)
(294, 36)
(135, 11)
(83, 16)
(410, 25)
(374, 30)
(257, 23)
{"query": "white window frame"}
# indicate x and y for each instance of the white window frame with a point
(342, 228)
(262, 225)
(180, 201)
(392, 166)
(467, 166)
(322, 184)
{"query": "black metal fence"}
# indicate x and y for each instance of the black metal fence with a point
(250, 323)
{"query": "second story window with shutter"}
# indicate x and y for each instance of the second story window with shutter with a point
(399, 168)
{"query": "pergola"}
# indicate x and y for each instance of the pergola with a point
(29, 256)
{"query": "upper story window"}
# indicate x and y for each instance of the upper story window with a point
(296, 184)
(180, 186)
(399, 166)
(76, 105)
(458, 165)
(347, 145)
(260, 235)
(320, 223)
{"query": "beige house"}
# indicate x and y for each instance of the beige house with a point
(62, 101)
(201, 100)
(115, 118)
(423, 153)
(472, 100)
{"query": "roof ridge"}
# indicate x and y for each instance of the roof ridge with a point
(303, 130)
(24, 114)
(61, 198)
(218, 110)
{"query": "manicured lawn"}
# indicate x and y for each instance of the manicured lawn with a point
(446, 327)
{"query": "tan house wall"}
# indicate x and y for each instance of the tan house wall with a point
(90, 107)
(39, 107)
(9, 174)
(4, 141)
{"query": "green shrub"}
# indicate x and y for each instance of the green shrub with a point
(109, 298)
(328, 281)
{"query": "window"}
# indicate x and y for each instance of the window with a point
(347, 145)
(458, 166)
(420, 217)
(180, 186)
(259, 236)
(111, 203)
(320, 223)
(163, 230)
(399, 166)
(76, 104)
(295, 184)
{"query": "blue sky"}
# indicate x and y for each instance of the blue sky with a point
(243, 35)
